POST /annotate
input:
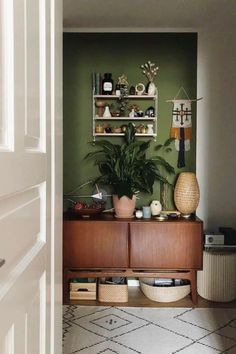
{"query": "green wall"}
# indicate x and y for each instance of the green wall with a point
(176, 56)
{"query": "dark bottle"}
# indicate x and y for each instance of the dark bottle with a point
(107, 84)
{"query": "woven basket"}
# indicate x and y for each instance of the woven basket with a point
(112, 292)
(186, 193)
(164, 294)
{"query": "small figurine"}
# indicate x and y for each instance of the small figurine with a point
(156, 207)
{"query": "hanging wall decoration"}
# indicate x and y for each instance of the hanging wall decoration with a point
(181, 128)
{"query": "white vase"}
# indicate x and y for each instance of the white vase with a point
(150, 129)
(151, 89)
(107, 113)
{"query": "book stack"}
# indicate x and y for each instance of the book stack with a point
(97, 83)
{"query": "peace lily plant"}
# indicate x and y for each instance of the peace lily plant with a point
(126, 167)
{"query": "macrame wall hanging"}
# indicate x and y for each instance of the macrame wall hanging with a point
(181, 128)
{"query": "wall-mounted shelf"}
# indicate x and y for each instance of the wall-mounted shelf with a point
(129, 96)
(121, 134)
(103, 121)
(127, 118)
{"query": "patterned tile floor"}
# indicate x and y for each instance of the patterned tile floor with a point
(129, 330)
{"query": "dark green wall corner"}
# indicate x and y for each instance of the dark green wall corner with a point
(174, 53)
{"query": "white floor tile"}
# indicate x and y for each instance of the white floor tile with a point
(153, 340)
(218, 342)
(198, 348)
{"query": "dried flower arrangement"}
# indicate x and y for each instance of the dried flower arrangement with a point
(149, 69)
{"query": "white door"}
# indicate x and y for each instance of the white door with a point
(30, 176)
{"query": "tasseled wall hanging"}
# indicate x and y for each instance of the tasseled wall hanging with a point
(181, 128)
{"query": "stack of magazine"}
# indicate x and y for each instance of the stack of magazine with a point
(169, 282)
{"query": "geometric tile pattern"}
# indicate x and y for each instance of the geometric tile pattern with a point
(129, 330)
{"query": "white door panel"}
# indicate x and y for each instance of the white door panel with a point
(29, 136)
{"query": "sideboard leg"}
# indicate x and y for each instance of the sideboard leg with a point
(193, 281)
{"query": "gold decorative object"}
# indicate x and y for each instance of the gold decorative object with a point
(186, 193)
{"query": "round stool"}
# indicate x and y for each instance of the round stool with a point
(217, 280)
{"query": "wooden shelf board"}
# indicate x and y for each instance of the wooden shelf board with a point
(129, 96)
(126, 118)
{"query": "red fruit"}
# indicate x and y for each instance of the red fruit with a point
(79, 206)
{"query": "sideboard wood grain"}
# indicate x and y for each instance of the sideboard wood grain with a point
(169, 245)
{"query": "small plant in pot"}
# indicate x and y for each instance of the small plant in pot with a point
(127, 169)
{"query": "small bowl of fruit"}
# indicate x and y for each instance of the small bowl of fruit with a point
(86, 210)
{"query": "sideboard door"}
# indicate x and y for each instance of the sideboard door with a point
(166, 245)
(95, 244)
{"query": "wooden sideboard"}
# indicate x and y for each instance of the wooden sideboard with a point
(106, 246)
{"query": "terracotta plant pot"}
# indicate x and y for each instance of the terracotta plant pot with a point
(124, 206)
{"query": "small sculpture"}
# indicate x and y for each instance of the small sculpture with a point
(107, 113)
(156, 207)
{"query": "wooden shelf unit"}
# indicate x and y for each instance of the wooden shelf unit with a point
(105, 246)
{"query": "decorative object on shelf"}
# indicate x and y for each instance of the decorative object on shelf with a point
(150, 112)
(186, 193)
(125, 167)
(147, 212)
(116, 130)
(123, 128)
(132, 114)
(107, 84)
(156, 207)
(149, 69)
(96, 78)
(139, 113)
(99, 128)
(166, 170)
(134, 107)
(101, 107)
(117, 91)
(141, 129)
(123, 80)
(150, 129)
(132, 90)
(139, 89)
(181, 128)
(108, 129)
(139, 214)
(107, 113)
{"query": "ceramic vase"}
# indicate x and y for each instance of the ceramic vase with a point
(107, 113)
(186, 193)
(151, 89)
(124, 206)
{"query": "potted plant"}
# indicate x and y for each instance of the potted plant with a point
(127, 169)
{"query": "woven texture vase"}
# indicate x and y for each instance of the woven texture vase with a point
(186, 193)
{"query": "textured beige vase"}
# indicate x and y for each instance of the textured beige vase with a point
(124, 206)
(186, 193)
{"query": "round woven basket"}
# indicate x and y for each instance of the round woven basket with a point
(164, 294)
(186, 193)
